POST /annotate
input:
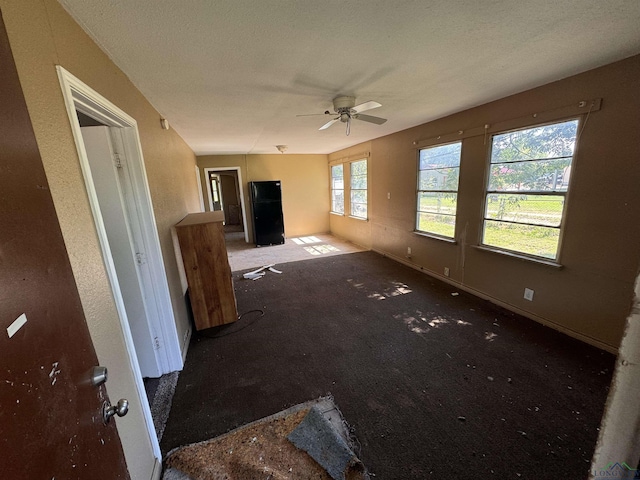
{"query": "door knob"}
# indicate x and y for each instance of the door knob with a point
(120, 409)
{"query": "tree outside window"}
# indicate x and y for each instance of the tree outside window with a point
(337, 189)
(527, 186)
(359, 189)
(438, 177)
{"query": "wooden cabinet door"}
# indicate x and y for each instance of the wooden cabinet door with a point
(204, 254)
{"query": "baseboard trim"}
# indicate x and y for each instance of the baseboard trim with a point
(532, 316)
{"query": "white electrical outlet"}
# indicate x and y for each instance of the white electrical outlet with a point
(528, 294)
(408, 250)
(446, 271)
(388, 195)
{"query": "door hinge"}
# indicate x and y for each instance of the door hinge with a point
(141, 259)
(117, 160)
(156, 342)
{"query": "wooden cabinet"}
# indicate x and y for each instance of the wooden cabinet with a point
(204, 253)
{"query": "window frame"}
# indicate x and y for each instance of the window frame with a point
(365, 190)
(417, 230)
(555, 261)
(332, 189)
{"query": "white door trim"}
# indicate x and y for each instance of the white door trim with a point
(200, 194)
(207, 171)
(81, 97)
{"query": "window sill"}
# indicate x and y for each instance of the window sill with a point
(436, 237)
(359, 218)
(337, 214)
(520, 256)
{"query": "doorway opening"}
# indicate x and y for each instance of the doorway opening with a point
(225, 192)
(115, 179)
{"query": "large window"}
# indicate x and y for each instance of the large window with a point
(337, 189)
(359, 189)
(438, 175)
(527, 186)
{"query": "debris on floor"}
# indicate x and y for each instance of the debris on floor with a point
(310, 441)
(261, 272)
(316, 436)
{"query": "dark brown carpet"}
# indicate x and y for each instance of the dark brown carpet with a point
(435, 385)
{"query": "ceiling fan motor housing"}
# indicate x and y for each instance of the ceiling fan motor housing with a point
(341, 104)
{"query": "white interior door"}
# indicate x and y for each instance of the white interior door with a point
(112, 181)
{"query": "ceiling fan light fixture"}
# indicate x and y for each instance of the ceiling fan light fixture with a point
(346, 110)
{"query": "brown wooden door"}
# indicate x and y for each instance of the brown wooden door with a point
(50, 415)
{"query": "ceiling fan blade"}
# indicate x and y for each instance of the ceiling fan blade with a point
(312, 114)
(365, 106)
(329, 123)
(370, 119)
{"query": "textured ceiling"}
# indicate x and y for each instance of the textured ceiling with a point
(231, 75)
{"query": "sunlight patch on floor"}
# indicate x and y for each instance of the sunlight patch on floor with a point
(422, 322)
(321, 249)
(396, 288)
(303, 240)
(245, 256)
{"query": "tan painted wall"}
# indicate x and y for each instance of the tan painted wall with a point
(305, 186)
(354, 229)
(42, 35)
(591, 296)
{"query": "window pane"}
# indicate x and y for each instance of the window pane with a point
(337, 189)
(359, 210)
(440, 179)
(337, 201)
(359, 182)
(532, 209)
(540, 175)
(533, 240)
(437, 202)
(359, 168)
(441, 156)
(439, 224)
(358, 196)
(439, 171)
(547, 141)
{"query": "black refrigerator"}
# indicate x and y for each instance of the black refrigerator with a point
(268, 222)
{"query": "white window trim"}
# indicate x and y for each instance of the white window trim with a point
(553, 262)
(426, 233)
(331, 190)
(351, 189)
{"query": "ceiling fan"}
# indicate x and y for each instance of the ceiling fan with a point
(346, 109)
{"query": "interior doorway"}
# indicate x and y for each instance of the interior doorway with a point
(225, 192)
(118, 192)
